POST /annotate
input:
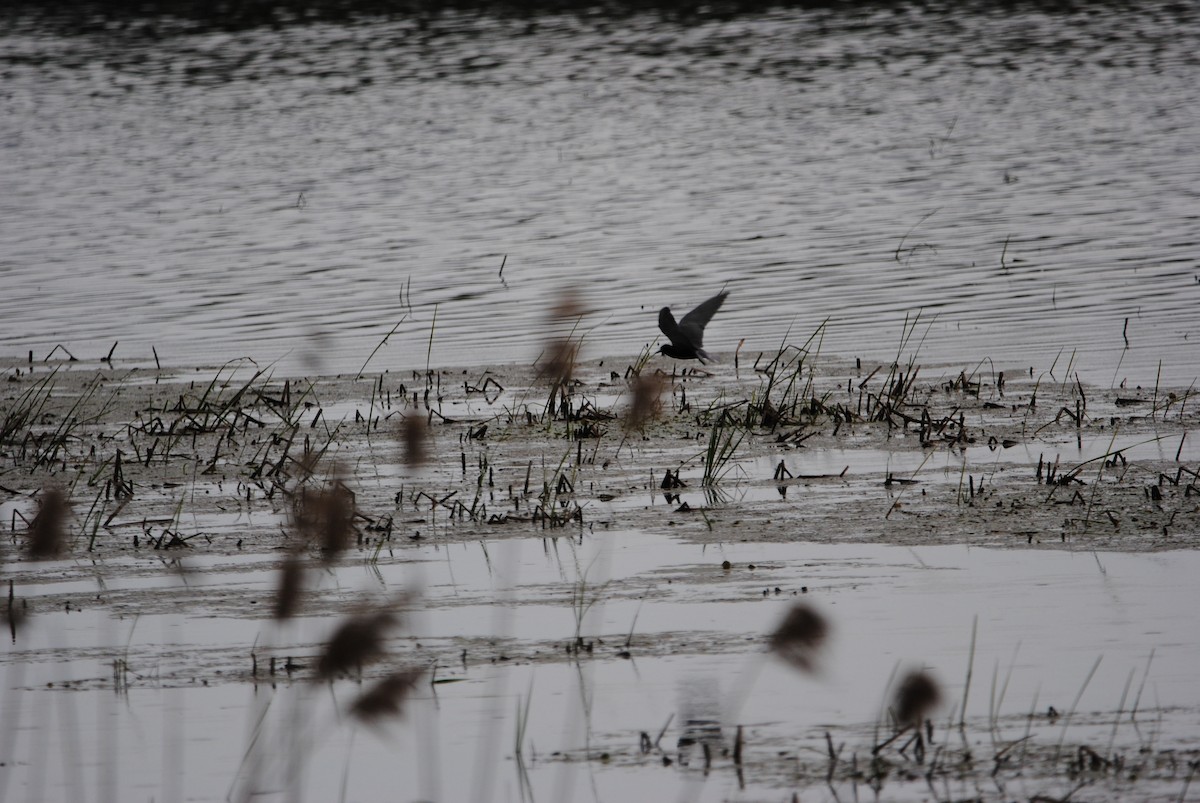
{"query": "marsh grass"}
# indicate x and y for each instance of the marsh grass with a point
(264, 435)
(557, 503)
(50, 446)
(724, 438)
(639, 364)
(786, 390)
(24, 413)
(584, 596)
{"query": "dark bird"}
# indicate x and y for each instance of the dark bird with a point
(687, 336)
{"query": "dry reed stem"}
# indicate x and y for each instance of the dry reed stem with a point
(414, 435)
(326, 517)
(559, 365)
(800, 636)
(916, 695)
(646, 404)
(291, 584)
(358, 641)
(386, 698)
(46, 532)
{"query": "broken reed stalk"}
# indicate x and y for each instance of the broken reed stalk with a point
(1154, 402)
(383, 342)
(905, 484)
(900, 245)
(429, 348)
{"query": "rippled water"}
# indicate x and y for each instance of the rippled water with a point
(1025, 181)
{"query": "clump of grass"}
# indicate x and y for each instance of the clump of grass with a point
(641, 362)
(556, 366)
(51, 446)
(775, 401)
(723, 441)
(27, 409)
(557, 504)
(900, 383)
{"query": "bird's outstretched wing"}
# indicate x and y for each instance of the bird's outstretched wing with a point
(666, 322)
(692, 325)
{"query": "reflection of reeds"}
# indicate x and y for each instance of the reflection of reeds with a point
(14, 617)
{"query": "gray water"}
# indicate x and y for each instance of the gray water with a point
(1023, 183)
(184, 726)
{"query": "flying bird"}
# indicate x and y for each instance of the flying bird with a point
(687, 336)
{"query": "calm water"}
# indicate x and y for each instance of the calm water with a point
(1092, 626)
(1025, 181)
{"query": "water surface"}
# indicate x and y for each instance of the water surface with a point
(1085, 632)
(1023, 180)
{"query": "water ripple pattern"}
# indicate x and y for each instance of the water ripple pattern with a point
(1024, 181)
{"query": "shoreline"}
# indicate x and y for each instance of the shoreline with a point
(820, 450)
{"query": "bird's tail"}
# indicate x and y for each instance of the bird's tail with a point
(704, 357)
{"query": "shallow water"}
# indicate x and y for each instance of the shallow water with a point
(1022, 180)
(1048, 627)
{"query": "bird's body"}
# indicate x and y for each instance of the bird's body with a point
(687, 336)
